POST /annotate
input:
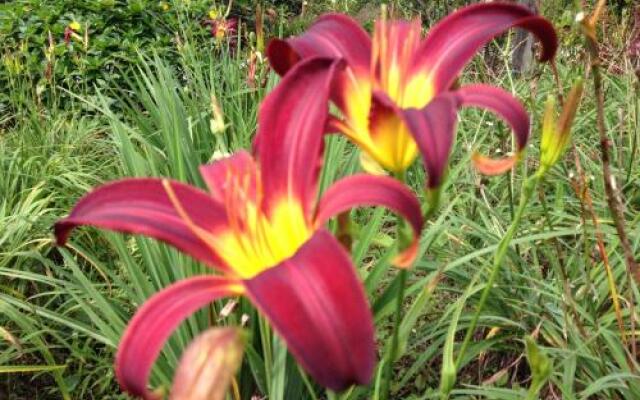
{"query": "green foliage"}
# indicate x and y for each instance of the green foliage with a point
(111, 34)
(62, 310)
(539, 365)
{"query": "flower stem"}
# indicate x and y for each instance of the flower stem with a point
(393, 351)
(614, 200)
(528, 188)
(392, 354)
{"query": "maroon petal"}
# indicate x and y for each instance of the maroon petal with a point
(455, 39)
(143, 206)
(291, 126)
(238, 169)
(501, 103)
(154, 322)
(369, 190)
(317, 305)
(331, 36)
(433, 128)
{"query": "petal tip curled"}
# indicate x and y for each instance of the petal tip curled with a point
(281, 56)
(333, 35)
(545, 32)
(371, 190)
(61, 231)
(457, 37)
(501, 103)
(405, 259)
(492, 166)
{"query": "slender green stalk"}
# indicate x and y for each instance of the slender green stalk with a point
(307, 384)
(560, 269)
(528, 188)
(265, 338)
(534, 389)
(433, 202)
(397, 320)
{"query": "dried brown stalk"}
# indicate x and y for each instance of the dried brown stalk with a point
(613, 196)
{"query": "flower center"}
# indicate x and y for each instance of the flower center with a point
(378, 130)
(256, 239)
(253, 239)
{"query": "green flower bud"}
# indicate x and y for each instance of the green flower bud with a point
(556, 134)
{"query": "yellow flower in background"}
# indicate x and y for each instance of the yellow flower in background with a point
(75, 26)
(214, 13)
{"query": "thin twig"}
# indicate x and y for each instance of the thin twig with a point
(613, 196)
(582, 191)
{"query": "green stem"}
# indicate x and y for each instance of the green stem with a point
(265, 337)
(393, 351)
(528, 188)
(534, 389)
(402, 278)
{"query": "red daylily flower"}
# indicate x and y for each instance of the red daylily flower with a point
(396, 95)
(261, 227)
(223, 28)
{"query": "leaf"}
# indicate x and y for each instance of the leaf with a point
(13, 369)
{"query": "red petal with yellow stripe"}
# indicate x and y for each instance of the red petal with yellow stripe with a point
(316, 303)
(143, 206)
(290, 137)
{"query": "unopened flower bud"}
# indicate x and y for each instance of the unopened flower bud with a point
(556, 134)
(208, 365)
(539, 363)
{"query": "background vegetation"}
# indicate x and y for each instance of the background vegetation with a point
(132, 96)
